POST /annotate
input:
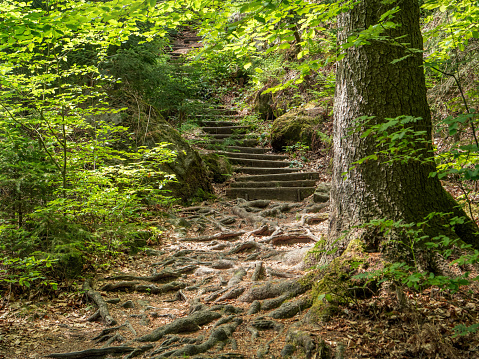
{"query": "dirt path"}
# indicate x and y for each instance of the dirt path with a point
(225, 283)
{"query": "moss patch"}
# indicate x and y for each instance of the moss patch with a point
(333, 286)
(218, 166)
(297, 125)
(190, 171)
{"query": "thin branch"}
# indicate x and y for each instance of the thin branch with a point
(34, 130)
(463, 100)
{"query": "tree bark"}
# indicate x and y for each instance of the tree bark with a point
(368, 84)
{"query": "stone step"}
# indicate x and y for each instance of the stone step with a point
(192, 38)
(239, 149)
(181, 50)
(226, 111)
(207, 123)
(258, 163)
(212, 143)
(221, 111)
(275, 184)
(254, 156)
(221, 136)
(219, 115)
(280, 177)
(265, 170)
(290, 194)
(225, 130)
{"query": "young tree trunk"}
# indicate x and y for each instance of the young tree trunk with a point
(368, 84)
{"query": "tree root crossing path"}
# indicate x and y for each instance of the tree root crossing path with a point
(227, 282)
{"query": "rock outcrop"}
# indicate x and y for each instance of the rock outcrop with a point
(297, 125)
(191, 174)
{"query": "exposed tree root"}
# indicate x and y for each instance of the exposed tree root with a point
(139, 351)
(217, 224)
(100, 302)
(218, 236)
(290, 309)
(290, 238)
(111, 287)
(197, 209)
(258, 272)
(181, 325)
(146, 288)
(274, 289)
(261, 231)
(273, 303)
(274, 273)
(222, 264)
(280, 208)
(237, 277)
(115, 338)
(264, 350)
(233, 293)
(252, 218)
(92, 353)
(94, 316)
(258, 203)
(244, 246)
(219, 334)
(264, 324)
(313, 219)
(303, 341)
(215, 295)
(254, 333)
(164, 275)
(106, 332)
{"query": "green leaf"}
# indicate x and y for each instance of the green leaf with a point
(260, 19)
(302, 53)
(284, 46)
(400, 59)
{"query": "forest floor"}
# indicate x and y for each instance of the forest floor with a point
(228, 281)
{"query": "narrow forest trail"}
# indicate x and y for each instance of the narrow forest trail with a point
(226, 281)
(235, 291)
(259, 173)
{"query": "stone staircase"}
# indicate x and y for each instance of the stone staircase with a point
(183, 44)
(259, 174)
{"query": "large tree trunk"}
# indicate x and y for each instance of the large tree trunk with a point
(368, 84)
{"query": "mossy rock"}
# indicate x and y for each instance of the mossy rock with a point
(219, 167)
(263, 105)
(297, 125)
(190, 171)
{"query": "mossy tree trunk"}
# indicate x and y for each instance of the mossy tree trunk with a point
(368, 84)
